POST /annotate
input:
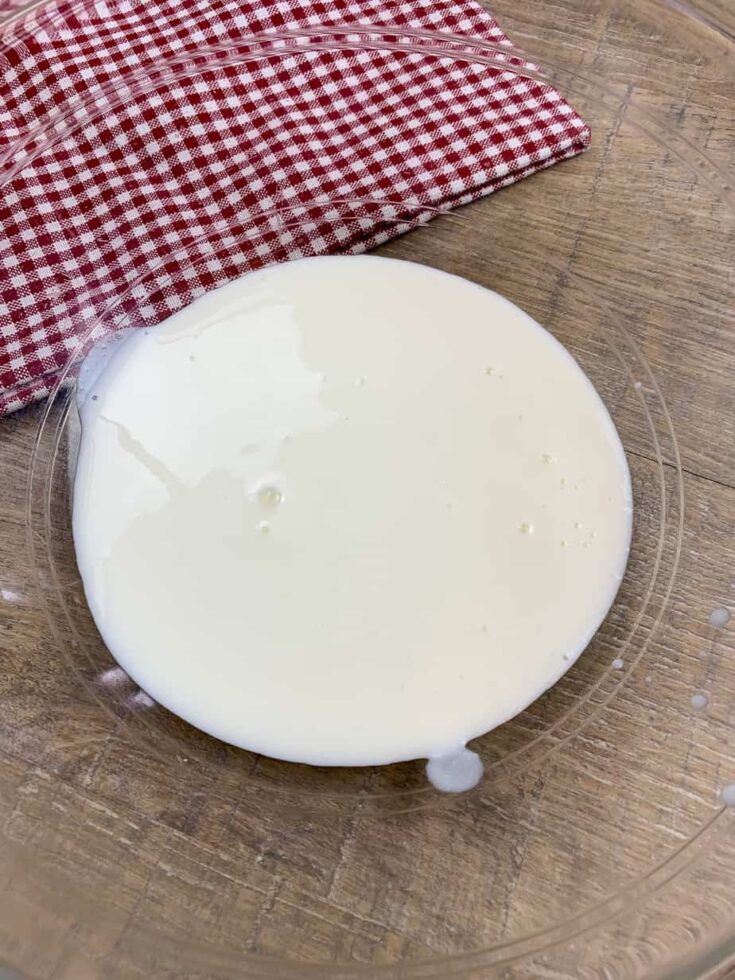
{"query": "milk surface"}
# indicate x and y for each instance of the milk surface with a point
(348, 511)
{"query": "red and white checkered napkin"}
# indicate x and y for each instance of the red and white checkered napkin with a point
(134, 132)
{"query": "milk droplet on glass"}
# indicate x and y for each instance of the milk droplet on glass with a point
(719, 617)
(456, 772)
(142, 700)
(114, 677)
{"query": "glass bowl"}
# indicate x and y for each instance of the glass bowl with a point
(600, 842)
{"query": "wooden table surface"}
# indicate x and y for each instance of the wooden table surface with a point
(101, 837)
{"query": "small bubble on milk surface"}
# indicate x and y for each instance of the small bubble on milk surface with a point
(269, 496)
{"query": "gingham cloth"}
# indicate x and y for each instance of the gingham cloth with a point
(133, 178)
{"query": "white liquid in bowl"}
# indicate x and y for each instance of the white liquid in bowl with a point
(348, 511)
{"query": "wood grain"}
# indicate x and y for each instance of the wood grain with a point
(122, 828)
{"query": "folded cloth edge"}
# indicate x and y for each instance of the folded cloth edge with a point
(24, 378)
